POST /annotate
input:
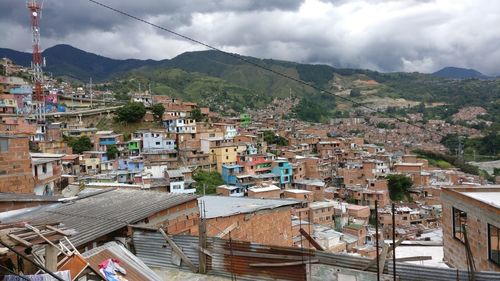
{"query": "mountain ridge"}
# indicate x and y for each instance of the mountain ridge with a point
(452, 72)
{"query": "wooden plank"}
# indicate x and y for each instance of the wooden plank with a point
(227, 230)
(51, 253)
(202, 244)
(20, 240)
(178, 250)
(374, 261)
(143, 227)
(259, 255)
(203, 250)
(416, 258)
(311, 240)
(280, 264)
(383, 256)
(56, 230)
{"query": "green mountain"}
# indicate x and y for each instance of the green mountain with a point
(460, 73)
(65, 60)
(225, 82)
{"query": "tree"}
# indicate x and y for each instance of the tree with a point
(399, 186)
(208, 179)
(112, 151)
(158, 110)
(196, 115)
(355, 93)
(80, 144)
(272, 138)
(131, 112)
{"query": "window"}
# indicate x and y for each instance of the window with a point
(459, 223)
(493, 242)
(44, 168)
(4, 145)
(157, 143)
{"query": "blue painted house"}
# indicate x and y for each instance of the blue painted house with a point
(284, 170)
(230, 172)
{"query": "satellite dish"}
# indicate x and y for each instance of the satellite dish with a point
(35, 14)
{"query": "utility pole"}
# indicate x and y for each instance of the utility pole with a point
(90, 92)
(460, 152)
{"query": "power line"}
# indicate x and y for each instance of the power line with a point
(359, 104)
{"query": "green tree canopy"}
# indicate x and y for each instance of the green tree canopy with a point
(208, 179)
(158, 110)
(196, 115)
(399, 186)
(80, 144)
(131, 112)
(112, 151)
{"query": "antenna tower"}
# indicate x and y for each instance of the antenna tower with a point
(38, 100)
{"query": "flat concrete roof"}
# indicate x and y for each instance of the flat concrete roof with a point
(490, 198)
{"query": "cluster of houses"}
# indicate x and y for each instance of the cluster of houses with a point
(316, 189)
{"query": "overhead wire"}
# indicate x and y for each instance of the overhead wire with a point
(242, 58)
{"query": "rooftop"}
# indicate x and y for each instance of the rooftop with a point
(264, 189)
(98, 213)
(224, 206)
(490, 198)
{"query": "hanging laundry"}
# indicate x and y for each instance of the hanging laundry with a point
(112, 270)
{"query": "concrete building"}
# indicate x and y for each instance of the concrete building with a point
(270, 191)
(47, 172)
(180, 125)
(472, 214)
(180, 182)
(284, 169)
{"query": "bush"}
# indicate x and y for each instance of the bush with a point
(80, 144)
(210, 179)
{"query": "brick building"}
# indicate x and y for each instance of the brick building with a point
(265, 221)
(15, 164)
(477, 211)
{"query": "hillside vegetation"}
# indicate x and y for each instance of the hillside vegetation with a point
(227, 83)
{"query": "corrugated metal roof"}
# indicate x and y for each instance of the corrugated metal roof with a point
(154, 251)
(136, 269)
(18, 197)
(223, 206)
(103, 213)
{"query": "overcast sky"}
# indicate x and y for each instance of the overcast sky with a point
(384, 35)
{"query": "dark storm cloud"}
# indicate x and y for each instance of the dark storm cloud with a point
(62, 16)
(386, 35)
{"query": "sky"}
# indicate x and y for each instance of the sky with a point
(383, 35)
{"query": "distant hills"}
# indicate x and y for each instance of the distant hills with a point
(65, 60)
(224, 82)
(460, 73)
